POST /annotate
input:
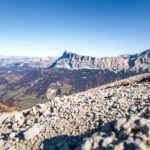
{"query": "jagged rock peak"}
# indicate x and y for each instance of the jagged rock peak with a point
(147, 52)
(67, 54)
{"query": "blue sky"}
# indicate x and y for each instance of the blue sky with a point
(88, 27)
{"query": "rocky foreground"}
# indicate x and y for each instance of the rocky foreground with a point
(114, 116)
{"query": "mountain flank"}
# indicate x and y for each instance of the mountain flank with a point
(115, 116)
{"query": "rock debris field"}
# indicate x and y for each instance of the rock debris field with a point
(115, 116)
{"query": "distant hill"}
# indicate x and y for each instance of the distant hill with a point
(14, 61)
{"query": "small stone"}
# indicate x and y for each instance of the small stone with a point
(107, 141)
(33, 131)
(119, 147)
(87, 145)
(18, 116)
(1, 143)
(12, 135)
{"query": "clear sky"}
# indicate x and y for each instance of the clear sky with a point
(88, 27)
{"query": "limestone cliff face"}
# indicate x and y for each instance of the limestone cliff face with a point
(135, 62)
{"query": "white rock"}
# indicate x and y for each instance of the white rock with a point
(87, 145)
(46, 113)
(42, 106)
(57, 98)
(19, 116)
(20, 122)
(12, 135)
(1, 143)
(33, 131)
(34, 110)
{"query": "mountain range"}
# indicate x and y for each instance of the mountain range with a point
(70, 60)
(25, 82)
(134, 62)
(39, 62)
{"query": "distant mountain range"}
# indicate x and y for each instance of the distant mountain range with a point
(37, 62)
(136, 62)
(69, 60)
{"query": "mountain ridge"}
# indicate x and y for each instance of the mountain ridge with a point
(133, 62)
(71, 60)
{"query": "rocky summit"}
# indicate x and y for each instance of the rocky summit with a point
(113, 116)
(136, 62)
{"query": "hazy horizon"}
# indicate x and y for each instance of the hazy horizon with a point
(70, 51)
(87, 27)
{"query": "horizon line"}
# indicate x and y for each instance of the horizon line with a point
(69, 51)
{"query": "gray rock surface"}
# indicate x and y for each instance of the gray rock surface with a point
(114, 116)
(130, 132)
